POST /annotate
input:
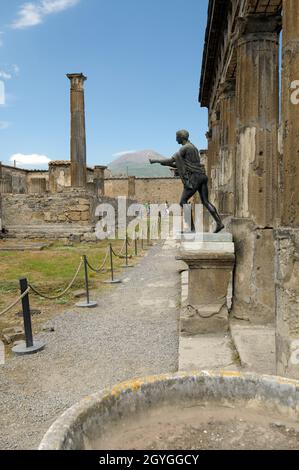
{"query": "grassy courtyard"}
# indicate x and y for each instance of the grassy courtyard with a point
(50, 271)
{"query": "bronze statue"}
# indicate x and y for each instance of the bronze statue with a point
(187, 163)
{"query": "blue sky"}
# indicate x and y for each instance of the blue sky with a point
(142, 59)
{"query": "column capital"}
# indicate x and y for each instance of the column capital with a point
(77, 80)
(253, 26)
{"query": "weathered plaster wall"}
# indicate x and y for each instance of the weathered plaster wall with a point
(287, 302)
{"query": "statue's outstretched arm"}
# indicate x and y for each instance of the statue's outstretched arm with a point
(166, 162)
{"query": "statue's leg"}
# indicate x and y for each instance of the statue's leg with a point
(186, 196)
(204, 195)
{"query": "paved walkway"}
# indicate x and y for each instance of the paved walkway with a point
(133, 332)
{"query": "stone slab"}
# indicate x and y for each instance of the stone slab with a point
(214, 352)
(208, 237)
(255, 346)
(197, 246)
(23, 247)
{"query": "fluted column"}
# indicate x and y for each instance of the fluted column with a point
(227, 148)
(257, 113)
(290, 112)
(78, 135)
(257, 119)
(287, 237)
(213, 156)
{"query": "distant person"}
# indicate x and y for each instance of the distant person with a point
(148, 208)
(187, 163)
(166, 209)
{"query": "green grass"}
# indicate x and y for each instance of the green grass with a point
(51, 269)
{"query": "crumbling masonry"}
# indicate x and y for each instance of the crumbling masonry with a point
(253, 156)
(61, 202)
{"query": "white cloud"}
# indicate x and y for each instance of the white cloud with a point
(32, 14)
(4, 125)
(33, 159)
(2, 94)
(120, 154)
(4, 75)
(16, 69)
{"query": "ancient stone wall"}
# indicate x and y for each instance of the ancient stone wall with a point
(153, 190)
(115, 187)
(12, 180)
(68, 207)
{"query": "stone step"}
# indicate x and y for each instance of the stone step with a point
(255, 345)
(207, 352)
(47, 231)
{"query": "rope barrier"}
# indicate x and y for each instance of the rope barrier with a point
(100, 269)
(15, 302)
(121, 251)
(120, 256)
(35, 291)
(110, 250)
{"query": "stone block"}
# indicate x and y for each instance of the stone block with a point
(210, 268)
(254, 284)
(287, 302)
(12, 334)
(85, 216)
(90, 237)
(74, 216)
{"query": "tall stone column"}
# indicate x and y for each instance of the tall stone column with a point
(287, 237)
(290, 111)
(257, 110)
(78, 135)
(227, 148)
(213, 156)
(257, 119)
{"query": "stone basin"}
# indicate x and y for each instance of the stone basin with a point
(200, 410)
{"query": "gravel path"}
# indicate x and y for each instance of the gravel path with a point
(132, 333)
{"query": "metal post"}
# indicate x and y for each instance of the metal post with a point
(112, 281)
(136, 246)
(111, 263)
(86, 278)
(148, 236)
(88, 303)
(127, 263)
(26, 314)
(28, 346)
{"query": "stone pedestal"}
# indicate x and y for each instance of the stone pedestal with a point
(210, 263)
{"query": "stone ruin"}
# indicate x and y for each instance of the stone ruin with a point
(252, 163)
(60, 202)
(253, 157)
